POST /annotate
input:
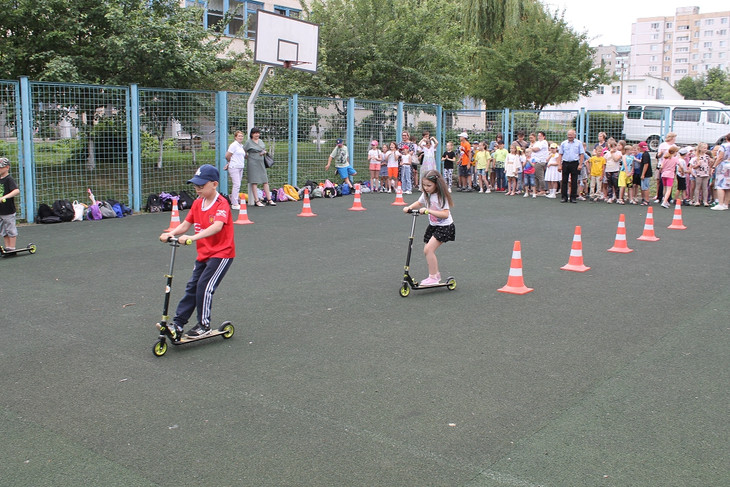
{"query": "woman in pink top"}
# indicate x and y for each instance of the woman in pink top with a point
(669, 167)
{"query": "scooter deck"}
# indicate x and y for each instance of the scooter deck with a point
(226, 329)
(30, 248)
(406, 286)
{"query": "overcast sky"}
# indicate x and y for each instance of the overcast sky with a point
(612, 23)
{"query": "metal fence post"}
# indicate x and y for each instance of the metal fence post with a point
(221, 135)
(136, 148)
(439, 135)
(399, 123)
(293, 138)
(507, 127)
(28, 161)
(351, 130)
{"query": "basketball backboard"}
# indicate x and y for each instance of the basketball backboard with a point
(287, 42)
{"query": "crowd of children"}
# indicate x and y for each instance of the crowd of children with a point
(613, 172)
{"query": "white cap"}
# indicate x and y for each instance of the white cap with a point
(464, 134)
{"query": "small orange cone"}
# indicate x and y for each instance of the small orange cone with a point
(677, 218)
(357, 204)
(515, 283)
(306, 209)
(175, 216)
(242, 212)
(398, 197)
(648, 235)
(575, 262)
(619, 245)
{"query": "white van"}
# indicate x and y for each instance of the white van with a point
(693, 121)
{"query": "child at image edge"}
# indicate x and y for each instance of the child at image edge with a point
(436, 202)
(211, 218)
(8, 191)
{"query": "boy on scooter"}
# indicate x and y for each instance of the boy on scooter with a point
(8, 191)
(210, 216)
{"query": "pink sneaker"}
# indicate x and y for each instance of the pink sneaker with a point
(431, 280)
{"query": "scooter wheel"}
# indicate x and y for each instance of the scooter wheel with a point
(160, 348)
(451, 284)
(227, 330)
(405, 291)
(32, 248)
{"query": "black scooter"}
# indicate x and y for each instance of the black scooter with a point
(31, 248)
(165, 327)
(408, 282)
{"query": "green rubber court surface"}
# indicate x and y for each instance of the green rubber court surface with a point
(614, 377)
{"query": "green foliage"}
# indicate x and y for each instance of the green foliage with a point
(487, 20)
(151, 42)
(713, 85)
(540, 62)
(387, 50)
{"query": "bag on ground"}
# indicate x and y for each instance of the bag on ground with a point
(64, 210)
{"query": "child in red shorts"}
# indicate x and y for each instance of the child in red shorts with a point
(211, 218)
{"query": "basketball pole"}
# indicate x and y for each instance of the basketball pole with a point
(250, 112)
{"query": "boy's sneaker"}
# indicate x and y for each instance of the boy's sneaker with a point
(198, 331)
(235, 207)
(526, 194)
(488, 190)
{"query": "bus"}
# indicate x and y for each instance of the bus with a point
(693, 121)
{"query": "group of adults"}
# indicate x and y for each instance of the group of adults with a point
(252, 151)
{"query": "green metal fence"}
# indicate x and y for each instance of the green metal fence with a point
(10, 127)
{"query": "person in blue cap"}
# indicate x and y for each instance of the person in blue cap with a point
(210, 217)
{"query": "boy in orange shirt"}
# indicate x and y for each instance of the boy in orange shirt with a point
(464, 163)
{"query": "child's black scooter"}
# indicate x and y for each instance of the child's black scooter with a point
(31, 248)
(226, 329)
(408, 282)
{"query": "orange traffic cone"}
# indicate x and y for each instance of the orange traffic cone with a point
(357, 204)
(575, 262)
(306, 209)
(648, 234)
(242, 212)
(175, 216)
(619, 245)
(515, 283)
(398, 197)
(677, 218)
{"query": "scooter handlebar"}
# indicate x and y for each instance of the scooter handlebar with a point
(415, 211)
(175, 240)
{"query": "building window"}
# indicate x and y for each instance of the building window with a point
(707, 45)
(708, 33)
(667, 58)
(696, 34)
(653, 59)
(288, 12)
(655, 37)
(683, 27)
(655, 25)
(681, 60)
(695, 56)
(615, 90)
(707, 55)
(722, 32)
(723, 43)
(680, 38)
(655, 47)
(709, 21)
(721, 55)
(680, 71)
(669, 25)
(600, 90)
(723, 20)
(683, 49)
(652, 68)
(632, 89)
(668, 37)
(243, 22)
(666, 69)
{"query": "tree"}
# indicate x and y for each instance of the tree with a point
(151, 42)
(537, 63)
(713, 85)
(487, 20)
(387, 50)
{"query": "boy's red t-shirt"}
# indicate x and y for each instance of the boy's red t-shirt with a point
(221, 245)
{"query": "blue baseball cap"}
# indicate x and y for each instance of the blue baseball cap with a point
(339, 141)
(205, 173)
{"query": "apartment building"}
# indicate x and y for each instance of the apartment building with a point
(689, 43)
(243, 25)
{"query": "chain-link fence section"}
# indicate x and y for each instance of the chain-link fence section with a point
(374, 120)
(9, 128)
(80, 141)
(177, 134)
(321, 122)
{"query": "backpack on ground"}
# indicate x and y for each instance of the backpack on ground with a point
(185, 200)
(93, 212)
(345, 189)
(106, 210)
(45, 214)
(154, 204)
(281, 195)
(291, 192)
(117, 207)
(63, 209)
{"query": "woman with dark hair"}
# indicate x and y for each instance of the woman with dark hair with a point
(255, 151)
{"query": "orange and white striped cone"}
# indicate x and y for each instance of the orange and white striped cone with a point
(515, 283)
(175, 216)
(620, 246)
(242, 212)
(357, 204)
(398, 197)
(575, 262)
(648, 235)
(677, 218)
(306, 208)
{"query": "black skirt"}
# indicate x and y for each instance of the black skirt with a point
(443, 233)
